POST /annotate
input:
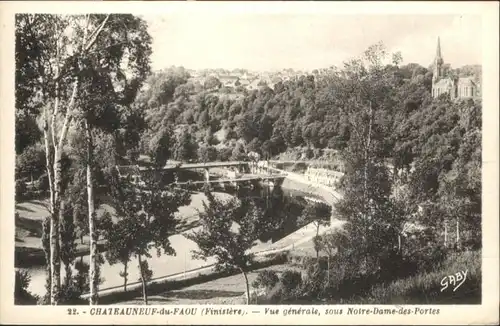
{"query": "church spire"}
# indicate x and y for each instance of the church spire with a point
(438, 63)
(439, 58)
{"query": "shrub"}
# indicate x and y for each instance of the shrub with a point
(21, 190)
(427, 258)
(290, 280)
(266, 279)
(43, 183)
(71, 295)
(286, 290)
(224, 154)
(21, 294)
(314, 281)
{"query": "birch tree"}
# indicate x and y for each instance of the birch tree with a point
(47, 53)
(76, 68)
(111, 78)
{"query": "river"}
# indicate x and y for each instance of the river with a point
(164, 265)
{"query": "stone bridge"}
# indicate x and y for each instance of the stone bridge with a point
(250, 171)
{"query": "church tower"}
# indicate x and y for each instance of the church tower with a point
(438, 63)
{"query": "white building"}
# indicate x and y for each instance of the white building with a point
(323, 176)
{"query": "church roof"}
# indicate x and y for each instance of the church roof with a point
(466, 81)
(445, 82)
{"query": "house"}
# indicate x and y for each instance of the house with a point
(323, 176)
(228, 80)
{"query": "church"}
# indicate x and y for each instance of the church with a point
(456, 88)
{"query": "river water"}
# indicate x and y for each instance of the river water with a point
(166, 265)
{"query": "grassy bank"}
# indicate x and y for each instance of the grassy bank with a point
(425, 288)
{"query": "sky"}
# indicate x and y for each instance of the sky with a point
(261, 41)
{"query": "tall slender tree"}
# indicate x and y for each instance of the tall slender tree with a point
(111, 78)
(365, 97)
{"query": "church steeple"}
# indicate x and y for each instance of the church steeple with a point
(439, 58)
(438, 62)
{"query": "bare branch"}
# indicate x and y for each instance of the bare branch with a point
(49, 168)
(68, 117)
(95, 35)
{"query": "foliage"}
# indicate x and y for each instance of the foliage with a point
(266, 279)
(425, 287)
(212, 82)
(287, 289)
(146, 220)
(229, 229)
(185, 147)
(21, 294)
(21, 189)
(160, 147)
(218, 236)
(30, 163)
(290, 280)
(207, 154)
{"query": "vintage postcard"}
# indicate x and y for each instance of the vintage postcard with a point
(249, 162)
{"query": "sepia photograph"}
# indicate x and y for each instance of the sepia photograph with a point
(309, 163)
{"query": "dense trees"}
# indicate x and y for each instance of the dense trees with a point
(302, 111)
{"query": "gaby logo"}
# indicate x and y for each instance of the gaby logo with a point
(455, 280)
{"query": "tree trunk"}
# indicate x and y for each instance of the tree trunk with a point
(367, 153)
(67, 277)
(445, 234)
(55, 246)
(125, 276)
(55, 188)
(458, 234)
(143, 281)
(247, 285)
(328, 270)
(316, 241)
(53, 217)
(46, 249)
(399, 243)
(93, 275)
(365, 176)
